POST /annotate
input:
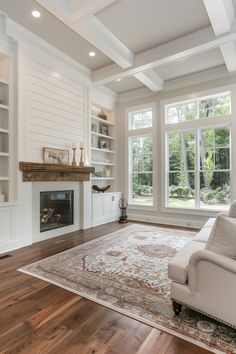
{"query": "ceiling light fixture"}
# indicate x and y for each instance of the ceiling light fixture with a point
(92, 54)
(118, 80)
(36, 13)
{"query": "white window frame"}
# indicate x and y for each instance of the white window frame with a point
(202, 123)
(136, 133)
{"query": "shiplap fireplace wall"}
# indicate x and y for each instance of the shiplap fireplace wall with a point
(51, 101)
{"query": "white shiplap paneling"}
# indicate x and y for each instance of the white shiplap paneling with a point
(55, 109)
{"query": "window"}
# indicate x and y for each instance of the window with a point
(198, 155)
(140, 154)
(140, 119)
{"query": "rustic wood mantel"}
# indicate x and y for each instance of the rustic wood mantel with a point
(40, 172)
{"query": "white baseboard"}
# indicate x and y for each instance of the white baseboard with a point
(166, 221)
(102, 220)
(15, 244)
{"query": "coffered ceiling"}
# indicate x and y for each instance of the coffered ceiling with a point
(137, 42)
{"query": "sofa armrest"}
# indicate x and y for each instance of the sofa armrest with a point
(209, 258)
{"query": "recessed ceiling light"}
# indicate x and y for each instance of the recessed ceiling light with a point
(36, 13)
(92, 54)
(118, 80)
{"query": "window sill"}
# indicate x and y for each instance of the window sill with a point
(141, 207)
(188, 211)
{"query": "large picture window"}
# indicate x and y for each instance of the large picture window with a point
(140, 154)
(198, 153)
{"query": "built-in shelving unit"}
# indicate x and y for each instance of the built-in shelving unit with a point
(5, 132)
(105, 206)
(103, 147)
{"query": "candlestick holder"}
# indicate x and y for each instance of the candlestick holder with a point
(81, 163)
(74, 160)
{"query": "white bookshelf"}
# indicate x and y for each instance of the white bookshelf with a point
(5, 132)
(103, 145)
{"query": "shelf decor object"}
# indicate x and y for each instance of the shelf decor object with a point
(57, 156)
(2, 197)
(102, 115)
(81, 163)
(73, 159)
(123, 206)
(101, 189)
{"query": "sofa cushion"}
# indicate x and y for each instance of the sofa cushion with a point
(210, 222)
(203, 235)
(178, 266)
(232, 209)
(222, 239)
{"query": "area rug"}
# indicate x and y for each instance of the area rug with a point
(127, 272)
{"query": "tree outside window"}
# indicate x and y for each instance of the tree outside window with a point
(140, 142)
(199, 159)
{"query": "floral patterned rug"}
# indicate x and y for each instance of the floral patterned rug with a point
(127, 271)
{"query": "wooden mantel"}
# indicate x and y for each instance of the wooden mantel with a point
(40, 172)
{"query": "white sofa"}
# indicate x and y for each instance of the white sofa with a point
(204, 280)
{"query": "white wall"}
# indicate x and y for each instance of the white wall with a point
(52, 105)
(175, 218)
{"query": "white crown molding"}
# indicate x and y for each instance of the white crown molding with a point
(218, 72)
(189, 45)
(222, 17)
(186, 81)
(150, 79)
(136, 94)
(103, 94)
(20, 34)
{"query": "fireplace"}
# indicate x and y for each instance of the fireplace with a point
(56, 209)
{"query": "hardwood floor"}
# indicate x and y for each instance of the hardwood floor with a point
(36, 317)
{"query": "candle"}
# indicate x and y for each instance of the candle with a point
(2, 197)
(74, 146)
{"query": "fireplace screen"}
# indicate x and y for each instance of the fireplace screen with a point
(56, 209)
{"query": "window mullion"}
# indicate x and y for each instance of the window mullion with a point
(197, 168)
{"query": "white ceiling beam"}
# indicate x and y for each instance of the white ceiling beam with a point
(81, 9)
(91, 29)
(192, 44)
(228, 51)
(222, 17)
(103, 39)
(150, 79)
(56, 8)
(221, 14)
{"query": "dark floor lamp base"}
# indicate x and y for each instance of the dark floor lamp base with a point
(122, 221)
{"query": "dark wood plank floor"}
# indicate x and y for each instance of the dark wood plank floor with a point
(36, 317)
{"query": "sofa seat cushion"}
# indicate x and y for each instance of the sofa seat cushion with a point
(203, 235)
(232, 209)
(178, 266)
(210, 222)
(222, 238)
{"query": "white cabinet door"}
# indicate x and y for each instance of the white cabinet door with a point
(98, 213)
(105, 208)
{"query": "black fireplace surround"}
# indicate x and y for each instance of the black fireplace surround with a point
(56, 209)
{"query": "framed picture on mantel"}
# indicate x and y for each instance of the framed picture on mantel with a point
(57, 156)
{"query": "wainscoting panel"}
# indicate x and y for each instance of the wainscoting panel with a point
(6, 222)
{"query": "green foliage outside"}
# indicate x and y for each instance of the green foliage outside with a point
(214, 159)
(213, 165)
